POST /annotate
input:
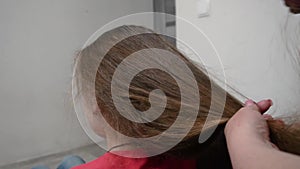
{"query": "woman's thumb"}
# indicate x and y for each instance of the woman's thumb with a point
(261, 106)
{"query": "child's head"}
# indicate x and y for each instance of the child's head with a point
(106, 54)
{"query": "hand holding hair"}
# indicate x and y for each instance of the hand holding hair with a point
(248, 141)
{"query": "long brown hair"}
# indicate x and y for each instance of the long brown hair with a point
(213, 153)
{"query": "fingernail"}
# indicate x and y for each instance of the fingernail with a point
(249, 102)
(271, 102)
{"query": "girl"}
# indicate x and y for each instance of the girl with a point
(128, 40)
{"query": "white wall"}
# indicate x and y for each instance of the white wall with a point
(251, 38)
(38, 40)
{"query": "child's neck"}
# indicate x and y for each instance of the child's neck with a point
(116, 143)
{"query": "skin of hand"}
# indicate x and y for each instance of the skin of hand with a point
(249, 146)
(249, 122)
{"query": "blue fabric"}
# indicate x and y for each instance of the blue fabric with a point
(67, 163)
(70, 161)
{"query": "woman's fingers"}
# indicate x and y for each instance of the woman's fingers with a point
(264, 105)
(261, 106)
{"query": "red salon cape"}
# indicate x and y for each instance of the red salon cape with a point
(113, 161)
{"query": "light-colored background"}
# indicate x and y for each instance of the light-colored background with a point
(251, 37)
(38, 40)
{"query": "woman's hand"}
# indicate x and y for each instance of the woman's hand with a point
(249, 123)
(248, 142)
